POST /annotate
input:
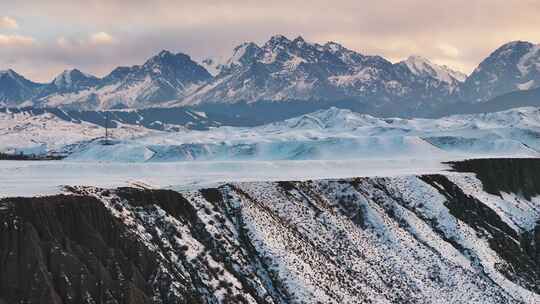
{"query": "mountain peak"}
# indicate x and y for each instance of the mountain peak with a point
(176, 64)
(515, 44)
(74, 79)
(165, 53)
(75, 72)
(417, 58)
(513, 66)
(418, 64)
(245, 46)
(15, 89)
(422, 66)
(165, 56)
(333, 47)
(14, 76)
(510, 51)
(242, 54)
(299, 40)
(277, 40)
(9, 72)
(166, 60)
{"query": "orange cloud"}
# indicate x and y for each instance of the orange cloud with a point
(458, 33)
(101, 38)
(15, 40)
(8, 23)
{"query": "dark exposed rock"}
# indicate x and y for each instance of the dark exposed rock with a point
(511, 175)
(69, 249)
(212, 195)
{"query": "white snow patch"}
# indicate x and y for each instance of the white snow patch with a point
(526, 85)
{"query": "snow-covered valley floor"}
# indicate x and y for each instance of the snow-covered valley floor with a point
(331, 143)
(332, 134)
(30, 178)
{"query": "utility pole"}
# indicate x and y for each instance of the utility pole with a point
(106, 128)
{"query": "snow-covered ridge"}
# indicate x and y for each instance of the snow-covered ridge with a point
(71, 78)
(335, 118)
(421, 66)
(326, 134)
(415, 238)
(8, 72)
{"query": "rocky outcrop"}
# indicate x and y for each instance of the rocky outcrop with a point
(412, 239)
(70, 249)
(511, 175)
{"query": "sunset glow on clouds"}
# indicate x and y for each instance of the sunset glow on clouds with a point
(15, 41)
(8, 23)
(98, 35)
(101, 38)
(95, 39)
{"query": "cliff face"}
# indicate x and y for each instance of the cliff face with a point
(71, 249)
(468, 236)
(516, 175)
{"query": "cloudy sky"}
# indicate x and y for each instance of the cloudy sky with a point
(39, 39)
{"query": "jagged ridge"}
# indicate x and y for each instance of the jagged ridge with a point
(287, 70)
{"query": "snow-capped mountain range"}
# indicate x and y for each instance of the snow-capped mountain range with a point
(284, 70)
(164, 77)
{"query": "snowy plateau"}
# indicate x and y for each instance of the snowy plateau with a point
(324, 144)
(467, 236)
